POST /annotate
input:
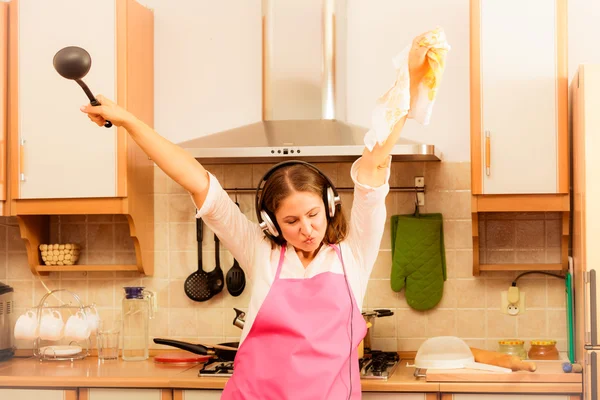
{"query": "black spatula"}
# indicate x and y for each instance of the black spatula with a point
(235, 279)
(215, 277)
(197, 285)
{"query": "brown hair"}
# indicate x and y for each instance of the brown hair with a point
(300, 178)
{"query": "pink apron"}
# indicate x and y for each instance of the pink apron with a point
(299, 344)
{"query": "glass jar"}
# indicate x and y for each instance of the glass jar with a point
(514, 347)
(543, 350)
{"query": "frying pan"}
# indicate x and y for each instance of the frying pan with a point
(219, 350)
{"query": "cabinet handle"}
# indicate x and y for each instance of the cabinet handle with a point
(487, 152)
(22, 161)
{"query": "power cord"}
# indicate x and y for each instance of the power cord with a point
(514, 283)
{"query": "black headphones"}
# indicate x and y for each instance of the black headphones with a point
(267, 220)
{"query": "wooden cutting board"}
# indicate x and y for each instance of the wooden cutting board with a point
(547, 371)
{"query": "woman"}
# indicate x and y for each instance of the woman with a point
(309, 268)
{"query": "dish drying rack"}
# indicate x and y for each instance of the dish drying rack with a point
(46, 353)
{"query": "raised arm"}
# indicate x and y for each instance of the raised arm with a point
(178, 164)
(238, 233)
(374, 164)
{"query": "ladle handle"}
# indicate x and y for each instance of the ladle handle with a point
(107, 124)
(93, 101)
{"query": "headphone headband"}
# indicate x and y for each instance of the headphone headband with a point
(267, 222)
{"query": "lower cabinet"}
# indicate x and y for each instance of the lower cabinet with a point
(399, 396)
(124, 394)
(204, 394)
(37, 394)
(483, 396)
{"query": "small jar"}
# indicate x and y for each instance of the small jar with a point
(514, 347)
(543, 350)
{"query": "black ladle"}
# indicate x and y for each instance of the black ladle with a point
(74, 63)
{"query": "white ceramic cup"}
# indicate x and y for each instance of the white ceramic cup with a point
(26, 326)
(93, 318)
(51, 325)
(77, 327)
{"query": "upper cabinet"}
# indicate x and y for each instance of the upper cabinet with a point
(519, 89)
(519, 133)
(60, 162)
(59, 153)
(3, 102)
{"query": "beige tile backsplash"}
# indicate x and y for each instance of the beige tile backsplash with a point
(469, 308)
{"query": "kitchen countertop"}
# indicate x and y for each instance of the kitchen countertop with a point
(89, 372)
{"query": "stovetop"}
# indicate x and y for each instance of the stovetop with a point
(216, 368)
(378, 364)
(375, 365)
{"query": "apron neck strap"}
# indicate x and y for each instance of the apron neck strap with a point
(281, 257)
(338, 250)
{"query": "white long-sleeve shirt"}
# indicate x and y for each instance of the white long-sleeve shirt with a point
(248, 244)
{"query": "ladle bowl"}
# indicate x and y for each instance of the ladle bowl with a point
(74, 63)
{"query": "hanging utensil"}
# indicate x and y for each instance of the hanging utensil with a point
(215, 277)
(236, 279)
(197, 285)
(74, 63)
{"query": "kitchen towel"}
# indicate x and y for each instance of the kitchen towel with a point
(395, 103)
(418, 258)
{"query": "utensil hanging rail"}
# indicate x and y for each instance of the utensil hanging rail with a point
(416, 189)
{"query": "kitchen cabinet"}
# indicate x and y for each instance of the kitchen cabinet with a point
(519, 97)
(197, 394)
(486, 396)
(519, 131)
(399, 396)
(36, 394)
(124, 394)
(3, 103)
(59, 162)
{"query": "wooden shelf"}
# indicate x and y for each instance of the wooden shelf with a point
(80, 268)
(520, 203)
(520, 267)
(550, 206)
(35, 229)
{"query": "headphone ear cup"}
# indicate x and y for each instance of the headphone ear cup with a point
(330, 202)
(267, 224)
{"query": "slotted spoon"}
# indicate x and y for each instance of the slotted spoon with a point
(197, 285)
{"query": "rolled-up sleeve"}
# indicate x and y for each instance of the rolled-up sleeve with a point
(237, 233)
(367, 218)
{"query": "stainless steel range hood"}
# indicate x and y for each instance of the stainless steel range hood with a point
(303, 104)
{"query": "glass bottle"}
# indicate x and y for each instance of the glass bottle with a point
(137, 307)
(514, 347)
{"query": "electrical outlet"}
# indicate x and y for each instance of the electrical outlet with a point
(512, 309)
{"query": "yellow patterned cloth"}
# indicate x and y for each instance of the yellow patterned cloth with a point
(395, 103)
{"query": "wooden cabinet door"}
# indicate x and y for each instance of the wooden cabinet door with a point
(197, 394)
(36, 394)
(394, 396)
(62, 154)
(124, 394)
(3, 101)
(521, 117)
(485, 396)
